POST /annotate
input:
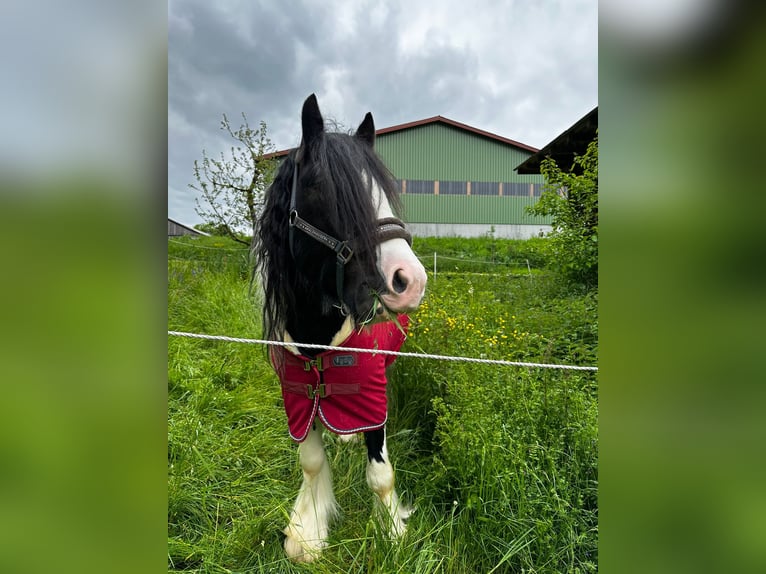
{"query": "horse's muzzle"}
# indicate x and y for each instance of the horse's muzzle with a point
(405, 284)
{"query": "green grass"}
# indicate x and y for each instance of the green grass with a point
(481, 254)
(501, 462)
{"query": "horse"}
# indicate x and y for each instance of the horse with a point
(336, 267)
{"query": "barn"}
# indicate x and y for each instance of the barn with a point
(460, 181)
(457, 180)
(176, 229)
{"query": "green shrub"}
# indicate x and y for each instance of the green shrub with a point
(571, 197)
(518, 452)
(514, 450)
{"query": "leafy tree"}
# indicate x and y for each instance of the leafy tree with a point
(232, 188)
(571, 197)
(211, 228)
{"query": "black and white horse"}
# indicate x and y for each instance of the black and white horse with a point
(337, 268)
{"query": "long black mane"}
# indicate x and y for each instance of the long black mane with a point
(335, 174)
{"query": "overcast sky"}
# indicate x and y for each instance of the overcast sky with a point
(525, 70)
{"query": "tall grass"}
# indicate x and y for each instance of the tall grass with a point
(500, 462)
(482, 254)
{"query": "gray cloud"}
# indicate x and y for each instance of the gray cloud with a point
(523, 70)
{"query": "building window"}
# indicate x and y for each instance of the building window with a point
(522, 189)
(419, 186)
(485, 188)
(515, 189)
(453, 188)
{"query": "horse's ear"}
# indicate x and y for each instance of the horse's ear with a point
(366, 130)
(311, 122)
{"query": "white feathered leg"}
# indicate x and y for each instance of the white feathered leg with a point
(349, 438)
(315, 506)
(380, 478)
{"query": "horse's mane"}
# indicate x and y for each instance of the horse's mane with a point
(342, 168)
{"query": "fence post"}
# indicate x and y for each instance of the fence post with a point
(434, 265)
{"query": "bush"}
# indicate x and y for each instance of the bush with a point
(515, 450)
(571, 197)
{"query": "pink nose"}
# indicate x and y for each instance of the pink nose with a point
(406, 286)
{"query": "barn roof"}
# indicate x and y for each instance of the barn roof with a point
(458, 125)
(563, 149)
(433, 120)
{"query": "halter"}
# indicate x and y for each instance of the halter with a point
(387, 228)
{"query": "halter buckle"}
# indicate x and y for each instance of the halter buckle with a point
(344, 252)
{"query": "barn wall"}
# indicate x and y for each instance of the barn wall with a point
(463, 209)
(448, 173)
(503, 231)
(441, 152)
(455, 182)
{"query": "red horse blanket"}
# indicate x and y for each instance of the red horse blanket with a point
(346, 390)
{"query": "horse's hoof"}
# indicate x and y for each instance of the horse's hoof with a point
(298, 553)
(397, 526)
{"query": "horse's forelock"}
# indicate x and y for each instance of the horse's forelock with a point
(353, 168)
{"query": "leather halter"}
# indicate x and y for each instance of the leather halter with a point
(387, 228)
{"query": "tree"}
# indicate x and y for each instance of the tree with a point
(211, 229)
(572, 199)
(232, 188)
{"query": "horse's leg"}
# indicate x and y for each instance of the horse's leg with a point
(315, 505)
(349, 438)
(380, 477)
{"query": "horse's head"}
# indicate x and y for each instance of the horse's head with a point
(330, 227)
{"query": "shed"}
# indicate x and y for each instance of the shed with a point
(562, 150)
(175, 229)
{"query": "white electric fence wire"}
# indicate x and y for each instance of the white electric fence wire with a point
(463, 259)
(381, 352)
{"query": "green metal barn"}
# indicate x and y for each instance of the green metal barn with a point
(457, 180)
